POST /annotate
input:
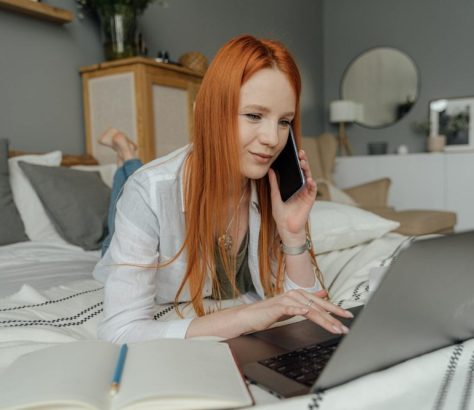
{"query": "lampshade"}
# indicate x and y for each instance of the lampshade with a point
(359, 112)
(344, 111)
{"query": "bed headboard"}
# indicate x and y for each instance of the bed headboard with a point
(67, 161)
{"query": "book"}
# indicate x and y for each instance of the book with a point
(159, 374)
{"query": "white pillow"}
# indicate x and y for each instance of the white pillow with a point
(106, 171)
(336, 226)
(38, 226)
(339, 196)
(336, 194)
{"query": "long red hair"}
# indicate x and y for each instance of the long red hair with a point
(212, 170)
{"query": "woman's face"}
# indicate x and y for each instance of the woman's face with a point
(266, 109)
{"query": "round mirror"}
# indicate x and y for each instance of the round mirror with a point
(385, 82)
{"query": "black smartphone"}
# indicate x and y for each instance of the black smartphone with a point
(288, 169)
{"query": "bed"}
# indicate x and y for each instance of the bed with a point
(48, 296)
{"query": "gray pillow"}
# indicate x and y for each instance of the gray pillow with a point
(76, 201)
(12, 229)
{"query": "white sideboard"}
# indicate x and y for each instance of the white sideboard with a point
(441, 181)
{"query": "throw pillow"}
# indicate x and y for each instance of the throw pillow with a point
(12, 228)
(339, 196)
(107, 171)
(38, 226)
(76, 201)
(336, 226)
(336, 194)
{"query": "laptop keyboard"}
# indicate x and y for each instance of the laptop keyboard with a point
(303, 365)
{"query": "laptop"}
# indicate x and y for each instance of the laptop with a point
(424, 302)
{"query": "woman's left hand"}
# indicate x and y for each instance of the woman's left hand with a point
(291, 216)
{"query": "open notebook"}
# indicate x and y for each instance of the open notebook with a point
(161, 374)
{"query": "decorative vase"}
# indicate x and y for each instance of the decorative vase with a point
(436, 143)
(119, 31)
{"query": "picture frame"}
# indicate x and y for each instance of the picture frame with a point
(453, 118)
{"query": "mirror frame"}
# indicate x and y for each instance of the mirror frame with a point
(418, 88)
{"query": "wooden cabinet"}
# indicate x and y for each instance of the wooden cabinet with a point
(441, 181)
(151, 102)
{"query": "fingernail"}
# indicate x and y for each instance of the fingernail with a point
(345, 329)
(337, 329)
(349, 314)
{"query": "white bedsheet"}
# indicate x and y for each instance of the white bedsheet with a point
(43, 265)
(38, 315)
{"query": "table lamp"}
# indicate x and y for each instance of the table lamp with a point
(342, 111)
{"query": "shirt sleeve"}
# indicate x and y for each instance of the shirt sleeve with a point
(128, 270)
(288, 284)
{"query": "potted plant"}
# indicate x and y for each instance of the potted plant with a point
(118, 21)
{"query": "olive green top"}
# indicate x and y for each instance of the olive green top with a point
(243, 279)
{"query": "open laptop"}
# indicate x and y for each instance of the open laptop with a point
(424, 302)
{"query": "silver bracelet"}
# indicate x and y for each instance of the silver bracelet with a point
(296, 250)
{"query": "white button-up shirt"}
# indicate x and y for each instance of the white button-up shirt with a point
(150, 229)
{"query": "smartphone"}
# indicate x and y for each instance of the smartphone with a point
(288, 169)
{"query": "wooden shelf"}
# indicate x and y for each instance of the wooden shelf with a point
(39, 10)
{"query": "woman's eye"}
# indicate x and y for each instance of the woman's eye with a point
(253, 117)
(285, 123)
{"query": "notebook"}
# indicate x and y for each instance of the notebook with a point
(160, 374)
(424, 302)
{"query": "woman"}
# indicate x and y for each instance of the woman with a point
(207, 220)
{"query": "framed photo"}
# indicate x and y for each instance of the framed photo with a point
(453, 118)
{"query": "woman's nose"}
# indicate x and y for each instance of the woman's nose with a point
(269, 134)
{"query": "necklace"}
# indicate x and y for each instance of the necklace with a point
(226, 239)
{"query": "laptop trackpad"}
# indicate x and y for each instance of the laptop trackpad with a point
(295, 335)
(303, 333)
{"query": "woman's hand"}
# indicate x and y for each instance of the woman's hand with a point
(235, 321)
(291, 216)
(261, 315)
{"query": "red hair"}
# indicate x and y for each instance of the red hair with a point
(212, 170)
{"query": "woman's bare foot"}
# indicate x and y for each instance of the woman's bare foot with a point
(124, 147)
(106, 137)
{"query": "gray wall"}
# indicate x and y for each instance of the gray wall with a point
(40, 88)
(437, 34)
(205, 25)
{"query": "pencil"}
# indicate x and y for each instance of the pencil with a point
(114, 387)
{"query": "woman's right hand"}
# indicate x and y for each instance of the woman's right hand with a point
(314, 306)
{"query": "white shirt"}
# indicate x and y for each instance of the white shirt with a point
(150, 229)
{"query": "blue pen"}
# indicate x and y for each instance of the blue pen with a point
(118, 370)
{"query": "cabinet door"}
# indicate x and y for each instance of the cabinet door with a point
(109, 102)
(171, 122)
(460, 188)
(168, 111)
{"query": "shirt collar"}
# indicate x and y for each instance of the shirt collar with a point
(181, 178)
(253, 196)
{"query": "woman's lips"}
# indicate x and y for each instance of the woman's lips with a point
(262, 158)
